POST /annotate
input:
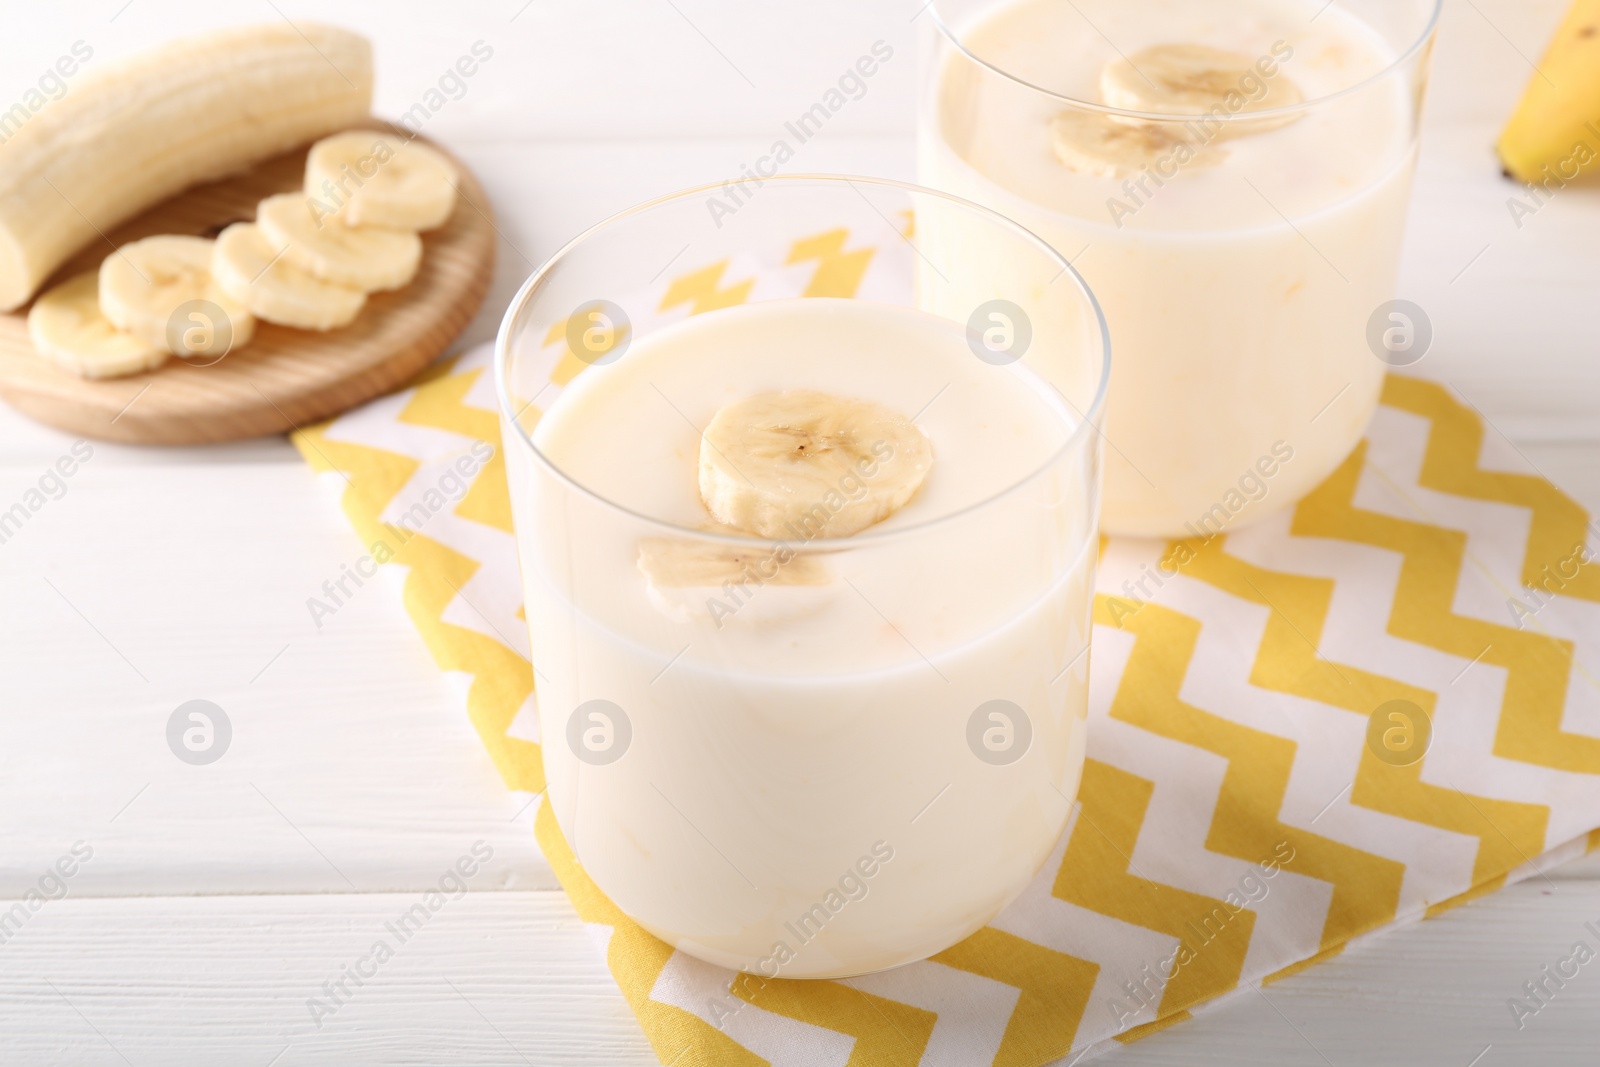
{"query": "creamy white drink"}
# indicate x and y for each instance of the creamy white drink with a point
(819, 750)
(1238, 260)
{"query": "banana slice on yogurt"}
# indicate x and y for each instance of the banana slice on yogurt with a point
(1197, 79)
(794, 466)
(800, 465)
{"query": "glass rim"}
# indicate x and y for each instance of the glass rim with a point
(1088, 419)
(1430, 27)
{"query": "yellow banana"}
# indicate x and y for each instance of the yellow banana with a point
(1555, 132)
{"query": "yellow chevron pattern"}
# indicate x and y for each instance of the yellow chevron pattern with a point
(501, 679)
(885, 1031)
(1052, 992)
(1303, 965)
(1366, 887)
(1538, 667)
(1288, 661)
(441, 404)
(838, 272)
(702, 290)
(1094, 874)
(1134, 1033)
(1059, 1003)
(1450, 465)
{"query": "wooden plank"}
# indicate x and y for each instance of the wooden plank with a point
(515, 978)
(490, 978)
(351, 756)
(1432, 994)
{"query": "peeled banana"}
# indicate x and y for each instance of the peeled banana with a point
(145, 285)
(691, 564)
(1089, 143)
(367, 178)
(190, 111)
(369, 258)
(800, 464)
(1181, 80)
(689, 580)
(67, 328)
(1555, 132)
(257, 274)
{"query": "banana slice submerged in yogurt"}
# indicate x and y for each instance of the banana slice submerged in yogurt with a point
(1210, 86)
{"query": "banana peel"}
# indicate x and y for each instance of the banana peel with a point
(1555, 132)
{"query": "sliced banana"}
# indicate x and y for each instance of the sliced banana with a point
(146, 284)
(369, 258)
(67, 328)
(1089, 143)
(377, 179)
(699, 581)
(691, 564)
(1195, 79)
(799, 465)
(257, 274)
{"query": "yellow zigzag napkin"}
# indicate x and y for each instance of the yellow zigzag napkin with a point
(1241, 815)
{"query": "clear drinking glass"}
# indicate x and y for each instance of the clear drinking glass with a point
(857, 768)
(1239, 219)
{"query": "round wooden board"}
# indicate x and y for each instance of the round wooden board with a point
(284, 378)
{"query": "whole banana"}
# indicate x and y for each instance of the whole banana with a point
(191, 111)
(1555, 133)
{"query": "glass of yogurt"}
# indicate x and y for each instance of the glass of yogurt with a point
(1232, 177)
(807, 522)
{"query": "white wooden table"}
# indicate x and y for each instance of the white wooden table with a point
(219, 898)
